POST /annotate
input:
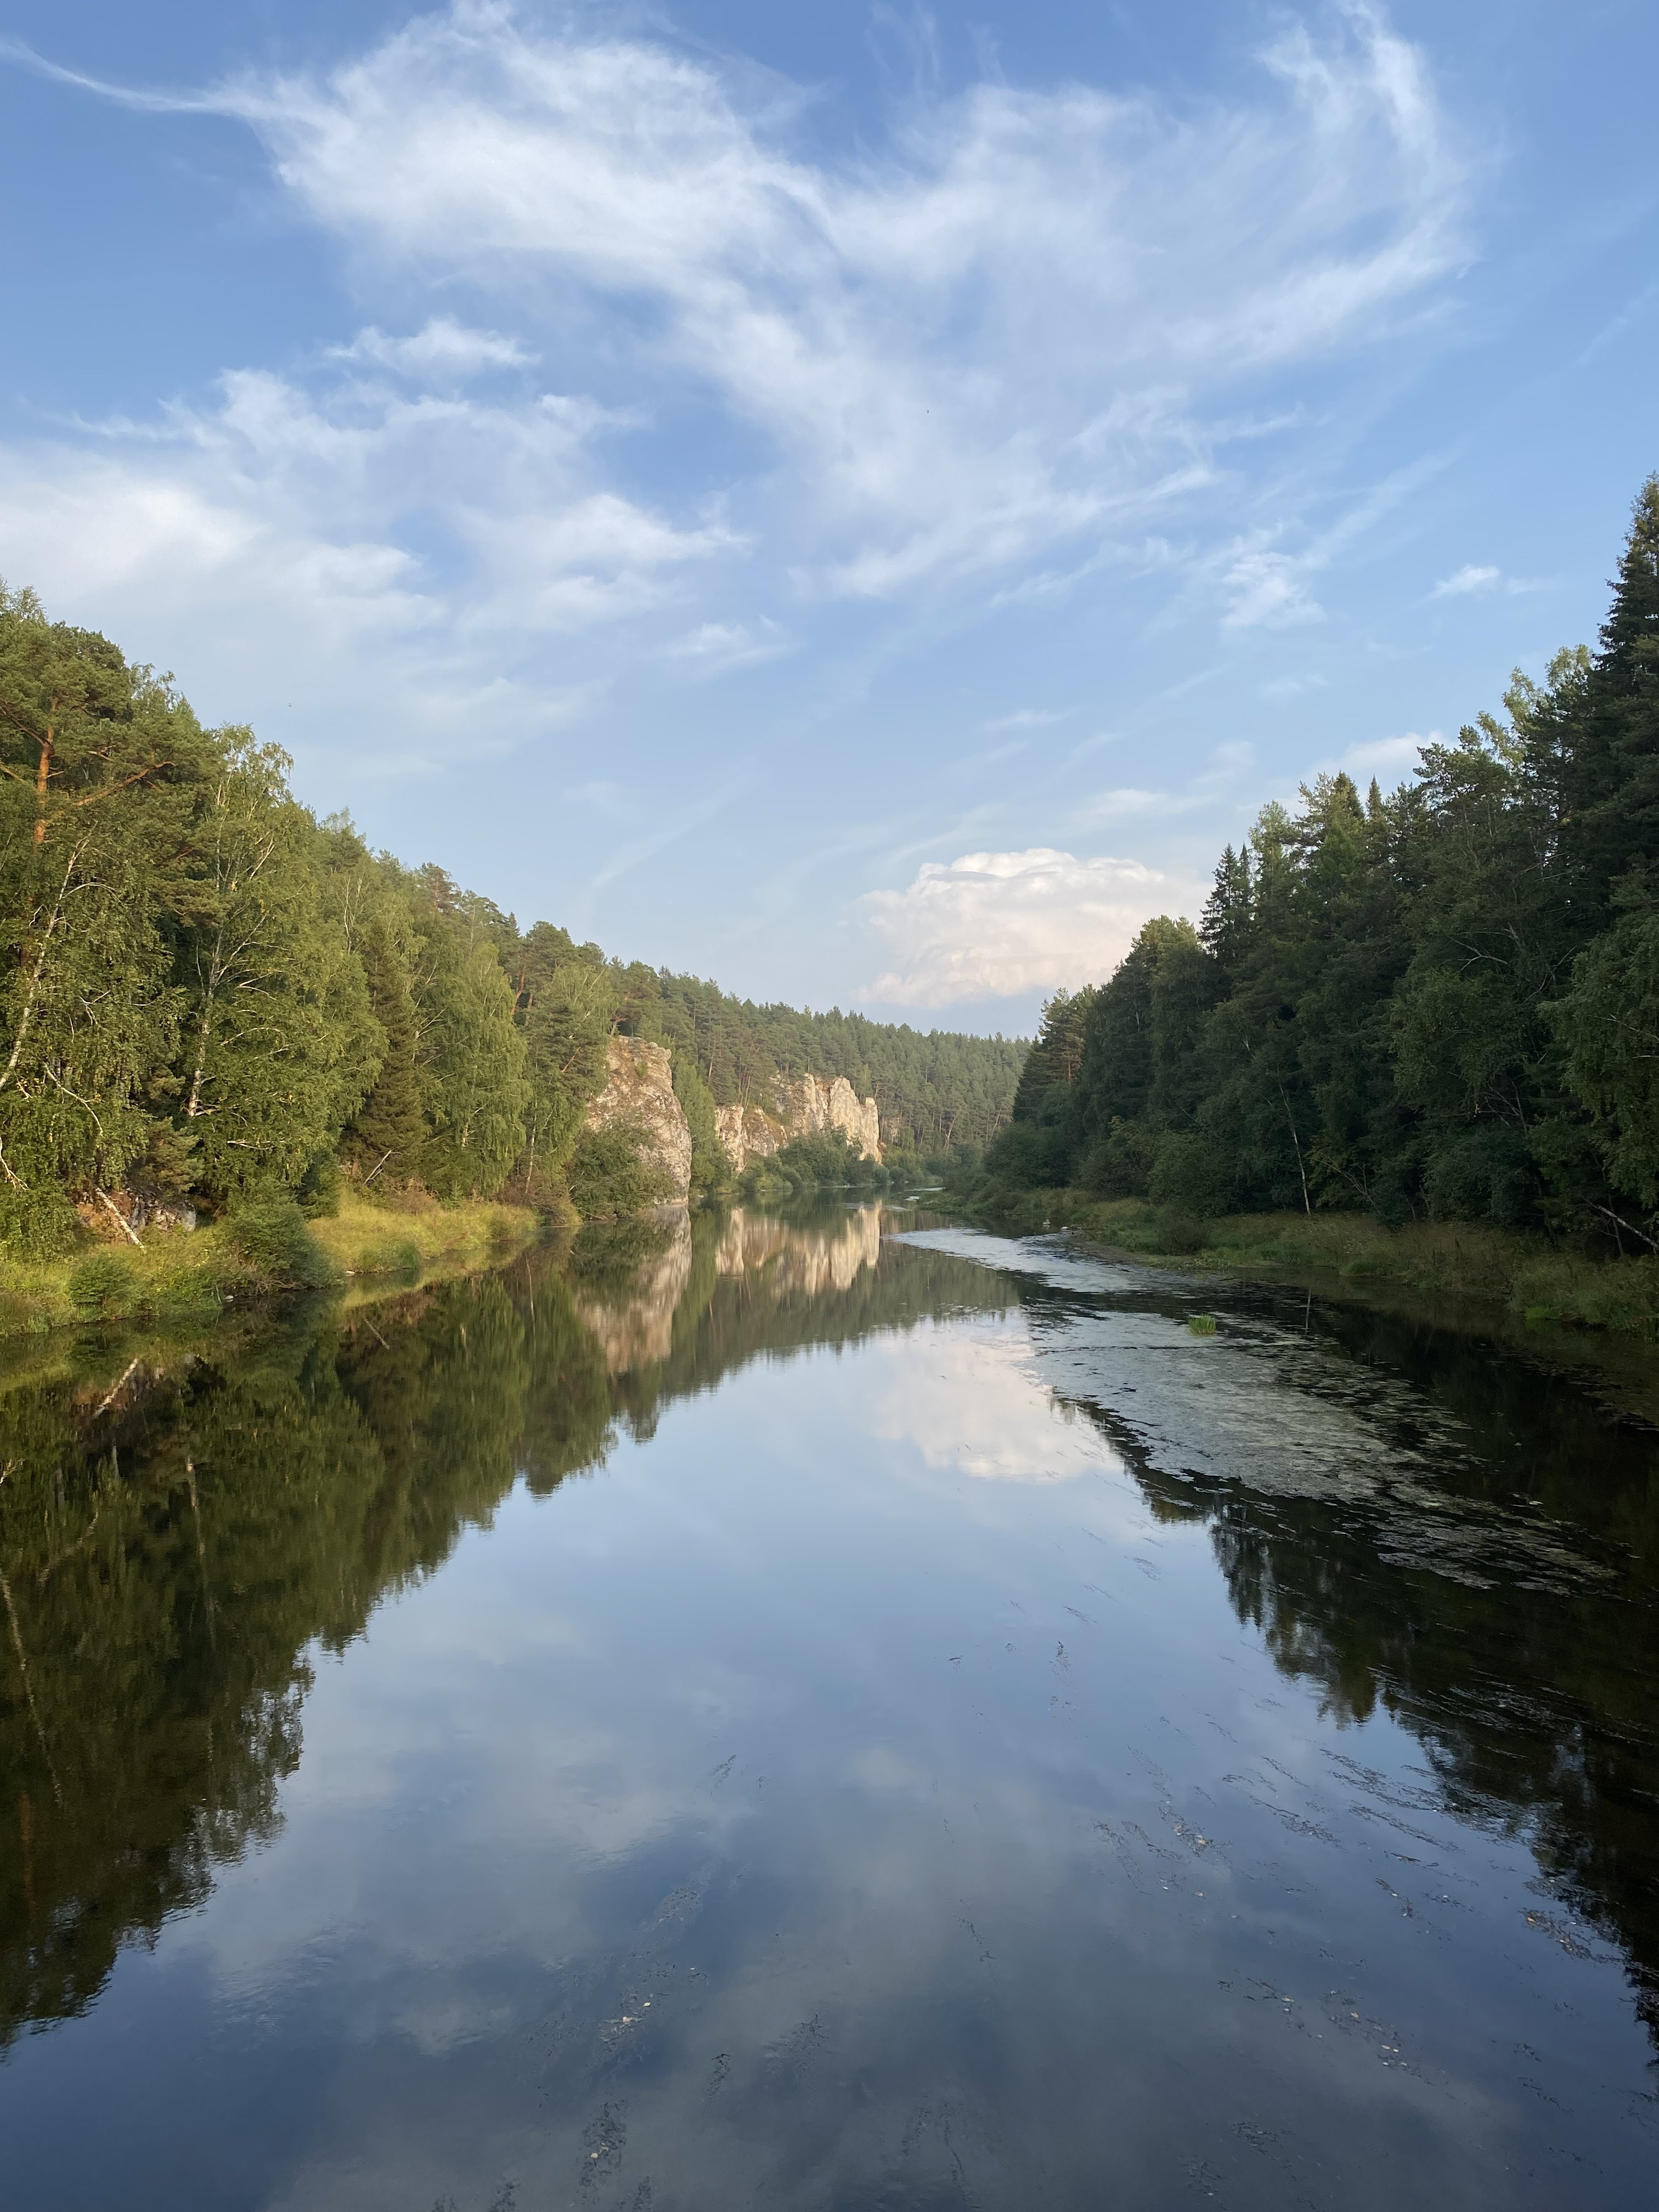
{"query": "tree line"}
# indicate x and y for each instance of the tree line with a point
(209, 996)
(1443, 1001)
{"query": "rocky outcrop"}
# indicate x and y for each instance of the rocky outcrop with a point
(806, 1105)
(639, 1091)
(746, 1134)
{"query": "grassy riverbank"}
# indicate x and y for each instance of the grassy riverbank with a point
(1529, 1276)
(176, 1275)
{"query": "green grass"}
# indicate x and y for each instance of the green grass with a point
(179, 1277)
(1529, 1277)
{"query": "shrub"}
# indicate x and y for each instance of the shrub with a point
(103, 1283)
(274, 1234)
(1487, 1176)
(611, 1173)
(822, 1157)
(1030, 1155)
(1119, 1161)
(1177, 1230)
(38, 1222)
(188, 1293)
(1184, 1175)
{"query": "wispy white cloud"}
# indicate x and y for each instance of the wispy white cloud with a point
(441, 349)
(1294, 686)
(1018, 325)
(985, 359)
(1468, 580)
(714, 648)
(1267, 590)
(1387, 757)
(992, 925)
(1471, 581)
(1025, 717)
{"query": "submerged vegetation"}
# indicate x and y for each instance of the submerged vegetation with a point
(216, 1008)
(1436, 1010)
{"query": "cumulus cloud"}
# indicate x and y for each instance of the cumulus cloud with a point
(991, 924)
(280, 534)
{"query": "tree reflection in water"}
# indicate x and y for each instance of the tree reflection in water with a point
(181, 1528)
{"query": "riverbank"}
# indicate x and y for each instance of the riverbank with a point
(1532, 1280)
(185, 1276)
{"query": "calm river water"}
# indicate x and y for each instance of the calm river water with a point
(826, 1712)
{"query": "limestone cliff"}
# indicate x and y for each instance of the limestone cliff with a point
(639, 1091)
(805, 1105)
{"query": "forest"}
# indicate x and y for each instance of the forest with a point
(212, 998)
(1439, 1003)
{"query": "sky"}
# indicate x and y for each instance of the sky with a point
(858, 502)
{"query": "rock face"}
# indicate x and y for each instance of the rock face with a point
(747, 1133)
(639, 1091)
(806, 1105)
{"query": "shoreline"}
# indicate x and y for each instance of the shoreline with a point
(188, 1277)
(1519, 1278)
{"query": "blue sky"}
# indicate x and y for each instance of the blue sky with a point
(858, 502)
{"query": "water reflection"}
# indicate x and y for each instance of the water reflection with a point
(180, 1534)
(883, 1798)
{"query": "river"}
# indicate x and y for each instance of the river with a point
(830, 1711)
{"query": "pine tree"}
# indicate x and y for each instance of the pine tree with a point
(1610, 720)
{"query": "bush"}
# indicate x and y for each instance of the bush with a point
(824, 1157)
(273, 1233)
(36, 1223)
(1487, 1176)
(611, 1175)
(1177, 1230)
(1030, 1155)
(103, 1283)
(1119, 1161)
(1185, 1176)
(190, 1292)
